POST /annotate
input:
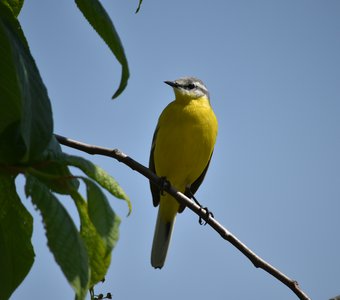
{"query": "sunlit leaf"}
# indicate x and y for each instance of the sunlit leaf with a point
(15, 5)
(101, 215)
(63, 238)
(98, 175)
(99, 259)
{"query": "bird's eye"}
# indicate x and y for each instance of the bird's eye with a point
(191, 86)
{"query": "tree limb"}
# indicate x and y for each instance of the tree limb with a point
(180, 197)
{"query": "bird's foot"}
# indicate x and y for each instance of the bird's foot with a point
(204, 220)
(208, 214)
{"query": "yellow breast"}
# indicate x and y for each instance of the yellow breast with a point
(186, 136)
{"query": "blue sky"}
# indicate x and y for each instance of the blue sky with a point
(273, 71)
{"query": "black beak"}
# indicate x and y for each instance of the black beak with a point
(174, 84)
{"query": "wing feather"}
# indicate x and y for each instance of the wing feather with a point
(195, 185)
(155, 191)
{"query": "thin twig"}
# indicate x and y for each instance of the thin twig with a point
(225, 234)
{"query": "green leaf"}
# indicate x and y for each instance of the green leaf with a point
(96, 15)
(99, 259)
(15, 5)
(139, 6)
(98, 175)
(25, 117)
(101, 215)
(16, 250)
(63, 238)
(53, 171)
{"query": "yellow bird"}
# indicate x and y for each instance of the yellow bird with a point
(181, 150)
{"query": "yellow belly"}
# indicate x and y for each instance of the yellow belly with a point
(185, 140)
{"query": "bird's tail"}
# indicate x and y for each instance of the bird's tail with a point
(161, 240)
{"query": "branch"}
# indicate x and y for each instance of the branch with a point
(180, 197)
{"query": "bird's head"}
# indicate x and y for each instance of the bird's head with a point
(189, 88)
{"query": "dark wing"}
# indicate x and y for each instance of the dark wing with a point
(195, 185)
(155, 191)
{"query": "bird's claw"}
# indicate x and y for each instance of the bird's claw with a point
(204, 220)
(209, 214)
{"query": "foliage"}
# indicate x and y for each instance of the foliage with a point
(28, 147)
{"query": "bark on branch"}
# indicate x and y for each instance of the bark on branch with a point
(257, 261)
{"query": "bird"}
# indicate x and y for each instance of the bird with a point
(182, 147)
